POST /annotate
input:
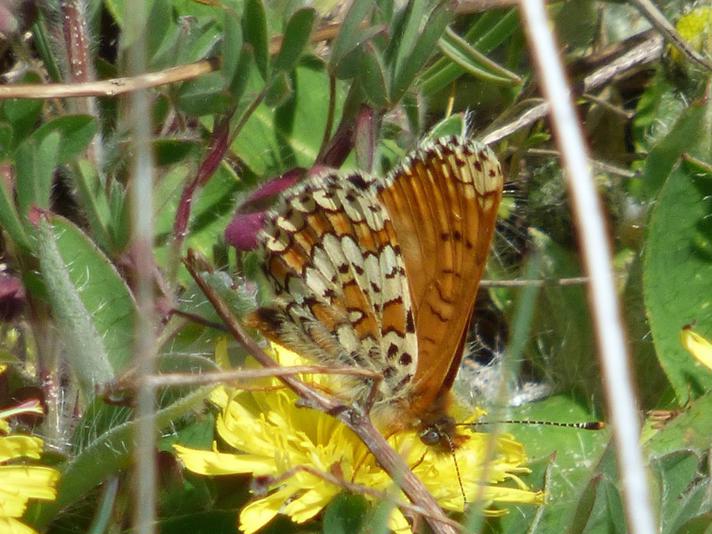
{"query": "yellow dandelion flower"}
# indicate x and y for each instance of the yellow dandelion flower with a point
(695, 27)
(273, 437)
(699, 347)
(20, 482)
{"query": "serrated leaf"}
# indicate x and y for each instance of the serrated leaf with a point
(296, 37)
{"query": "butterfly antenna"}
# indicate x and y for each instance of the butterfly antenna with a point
(587, 425)
(451, 445)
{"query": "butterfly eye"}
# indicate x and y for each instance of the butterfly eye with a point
(431, 436)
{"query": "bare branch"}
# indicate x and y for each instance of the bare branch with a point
(658, 20)
(183, 379)
(578, 280)
(645, 52)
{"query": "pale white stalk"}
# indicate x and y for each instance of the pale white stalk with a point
(141, 187)
(591, 228)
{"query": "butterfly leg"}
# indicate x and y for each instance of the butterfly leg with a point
(373, 392)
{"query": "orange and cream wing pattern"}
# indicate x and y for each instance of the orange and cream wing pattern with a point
(341, 294)
(443, 202)
(382, 274)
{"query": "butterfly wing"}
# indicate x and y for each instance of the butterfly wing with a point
(443, 203)
(341, 295)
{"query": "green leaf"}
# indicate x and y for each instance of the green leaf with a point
(452, 125)
(204, 95)
(296, 38)
(473, 61)
(254, 27)
(345, 514)
(10, 220)
(584, 507)
(279, 89)
(102, 292)
(242, 73)
(675, 472)
(405, 75)
(578, 455)
(405, 31)
(199, 42)
(35, 161)
(171, 151)
(84, 347)
(109, 453)
(6, 140)
(22, 113)
(159, 22)
(215, 521)
(678, 266)
(270, 148)
(76, 132)
(689, 429)
(373, 77)
(94, 203)
(698, 525)
(350, 35)
(563, 309)
(231, 46)
(490, 30)
(667, 152)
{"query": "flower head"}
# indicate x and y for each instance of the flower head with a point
(20, 482)
(274, 437)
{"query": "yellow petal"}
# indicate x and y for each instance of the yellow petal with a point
(260, 512)
(699, 347)
(218, 463)
(28, 482)
(9, 525)
(311, 502)
(398, 523)
(19, 446)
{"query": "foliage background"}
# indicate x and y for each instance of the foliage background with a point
(361, 99)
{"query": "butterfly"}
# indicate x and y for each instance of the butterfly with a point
(382, 274)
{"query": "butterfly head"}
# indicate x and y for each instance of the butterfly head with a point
(439, 433)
